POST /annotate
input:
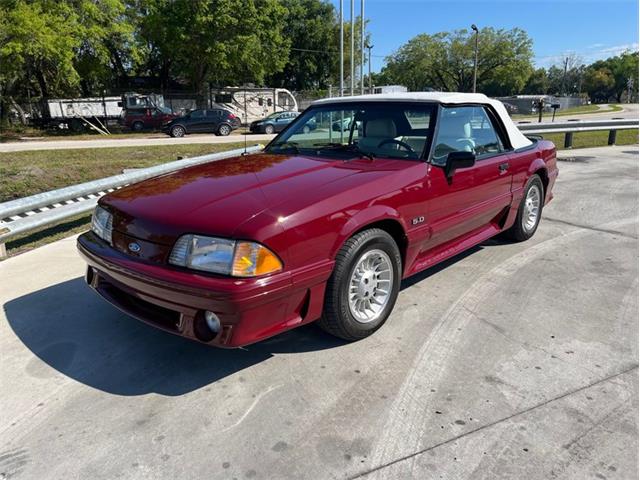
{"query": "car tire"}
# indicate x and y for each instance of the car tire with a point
(366, 263)
(137, 126)
(306, 129)
(269, 130)
(178, 131)
(529, 211)
(224, 130)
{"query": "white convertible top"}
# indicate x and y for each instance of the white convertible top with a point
(517, 139)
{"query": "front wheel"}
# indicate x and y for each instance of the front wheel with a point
(529, 211)
(177, 131)
(364, 285)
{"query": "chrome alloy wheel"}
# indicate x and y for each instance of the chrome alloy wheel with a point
(370, 286)
(531, 208)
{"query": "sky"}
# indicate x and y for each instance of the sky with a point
(592, 29)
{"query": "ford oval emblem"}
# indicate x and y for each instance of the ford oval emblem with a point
(134, 247)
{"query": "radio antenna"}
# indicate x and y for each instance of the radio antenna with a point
(246, 121)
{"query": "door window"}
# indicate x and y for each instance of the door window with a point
(196, 114)
(465, 129)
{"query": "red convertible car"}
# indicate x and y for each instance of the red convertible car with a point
(321, 225)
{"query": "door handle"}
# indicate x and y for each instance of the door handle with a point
(503, 167)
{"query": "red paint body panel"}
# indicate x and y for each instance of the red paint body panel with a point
(303, 209)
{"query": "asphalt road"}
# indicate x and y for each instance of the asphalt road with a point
(512, 361)
(628, 112)
(147, 140)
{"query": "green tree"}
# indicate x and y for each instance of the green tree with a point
(537, 83)
(59, 47)
(309, 25)
(106, 50)
(444, 61)
(622, 67)
(39, 40)
(599, 84)
(221, 41)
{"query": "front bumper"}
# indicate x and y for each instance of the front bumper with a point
(174, 300)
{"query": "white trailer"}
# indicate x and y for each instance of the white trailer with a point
(250, 104)
(74, 113)
(389, 89)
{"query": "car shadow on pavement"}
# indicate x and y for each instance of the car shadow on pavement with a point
(74, 331)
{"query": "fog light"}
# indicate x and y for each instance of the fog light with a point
(213, 322)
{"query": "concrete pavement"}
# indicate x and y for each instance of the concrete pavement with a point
(511, 361)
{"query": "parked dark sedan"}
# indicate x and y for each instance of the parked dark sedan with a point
(218, 121)
(276, 122)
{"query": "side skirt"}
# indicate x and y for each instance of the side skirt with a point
(450, 249)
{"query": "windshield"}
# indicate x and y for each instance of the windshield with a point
(375, 129)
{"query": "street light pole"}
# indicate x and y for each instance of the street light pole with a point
(369, 47)
(341, 47)
(361, 47)
(353, 46)
(475, 62)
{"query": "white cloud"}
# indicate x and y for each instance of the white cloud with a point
(591, 54)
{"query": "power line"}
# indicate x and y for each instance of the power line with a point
(326, 51)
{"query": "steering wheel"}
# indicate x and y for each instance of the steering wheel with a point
(468, 143)
(406, 146)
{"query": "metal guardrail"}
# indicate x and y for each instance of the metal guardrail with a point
(30, 213)
(576, 126)
(36, 211)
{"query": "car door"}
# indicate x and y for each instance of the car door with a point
(197, 121)
(214, 118)
(282, 121)
(474, 198)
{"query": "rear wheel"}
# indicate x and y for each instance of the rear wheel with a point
(224, 130)
(529, 212)
(269, 129)
(306, 129)
(177, 131)
(137, 126)
(364, 285)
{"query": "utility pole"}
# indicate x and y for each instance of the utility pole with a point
(362, 47)
(629, 88)
(369, 47)
(564, 76)
(475, 61)
(341, 48)
(353, 46)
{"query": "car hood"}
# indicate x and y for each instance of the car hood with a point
(215, 198)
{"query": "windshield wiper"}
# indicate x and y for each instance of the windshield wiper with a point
(341, 147)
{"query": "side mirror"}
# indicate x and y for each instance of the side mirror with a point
(457, 160)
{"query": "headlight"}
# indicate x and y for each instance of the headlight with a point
(228, 257)
(102, 223)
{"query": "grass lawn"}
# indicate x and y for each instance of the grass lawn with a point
(594, 139)
(582, 109)
(27, 173)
